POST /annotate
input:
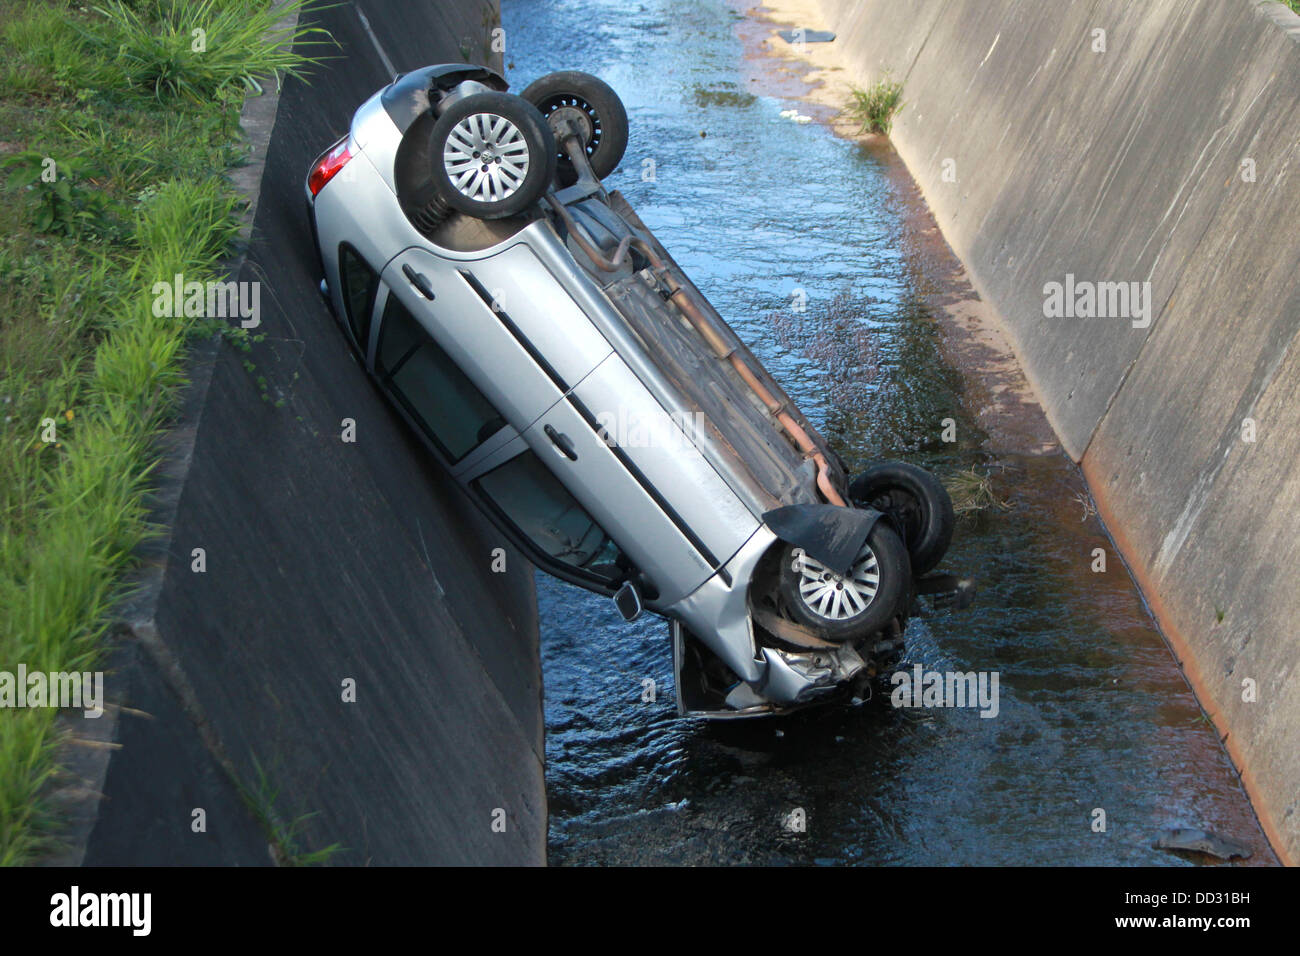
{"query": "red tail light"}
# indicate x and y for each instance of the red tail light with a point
(328, 166)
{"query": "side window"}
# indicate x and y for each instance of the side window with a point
(542, 510)
(441, 398)
(359, 285)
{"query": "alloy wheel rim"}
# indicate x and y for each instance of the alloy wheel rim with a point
(839, 597)
(486, 157)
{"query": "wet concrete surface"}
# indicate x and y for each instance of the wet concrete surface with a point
(1094, 712)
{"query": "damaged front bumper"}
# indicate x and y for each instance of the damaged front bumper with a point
(732, 660)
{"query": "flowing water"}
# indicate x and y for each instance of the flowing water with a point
(1094, 713)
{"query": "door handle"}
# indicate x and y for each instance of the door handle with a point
(419, 280)
(562, 442)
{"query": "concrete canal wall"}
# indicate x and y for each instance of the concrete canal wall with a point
(1152, 143)
(325, 562)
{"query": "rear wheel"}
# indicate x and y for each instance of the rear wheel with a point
(840, 607)
(918, 504)
(596, 110)
(493, 155)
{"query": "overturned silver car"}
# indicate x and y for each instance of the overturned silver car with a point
(553, 356)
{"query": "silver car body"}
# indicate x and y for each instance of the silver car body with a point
(548, 341)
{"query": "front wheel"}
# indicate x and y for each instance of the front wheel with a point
(841, 607)
(916, 501)
(493, 155)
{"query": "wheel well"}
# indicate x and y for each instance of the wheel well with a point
(763, 589)
(425, 209)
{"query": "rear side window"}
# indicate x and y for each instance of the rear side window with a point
(359, 285)
(431, 387)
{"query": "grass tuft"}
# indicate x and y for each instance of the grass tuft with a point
(877, 105)
(284, 833)
(972, 493)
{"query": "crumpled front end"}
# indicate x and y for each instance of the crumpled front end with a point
(734, 657)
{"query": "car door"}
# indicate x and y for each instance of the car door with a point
(660, 449)
(582, 490)
(457, 420)
(528, 500)
(487, 377)
(522, 342)
(600, 474)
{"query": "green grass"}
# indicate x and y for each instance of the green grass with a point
(136, 124)
(285, 833)
(1293, 4)
(877, 105)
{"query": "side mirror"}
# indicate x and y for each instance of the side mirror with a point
(628, 601)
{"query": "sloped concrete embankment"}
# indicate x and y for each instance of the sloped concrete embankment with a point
(326, 562)
(1141, 142)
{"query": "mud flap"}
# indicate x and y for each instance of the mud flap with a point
(828, 533)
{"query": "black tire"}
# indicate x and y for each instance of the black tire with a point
(530, 141)
(598, 110)
(816, 609)
(916, 501)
